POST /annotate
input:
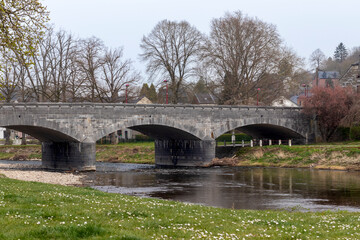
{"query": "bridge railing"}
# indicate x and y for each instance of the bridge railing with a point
(255, 142)
(128, 105)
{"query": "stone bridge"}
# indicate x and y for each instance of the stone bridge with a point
(184, 134)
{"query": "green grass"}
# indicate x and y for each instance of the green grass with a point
(335, 156)
(134, 152)
(141, 152)
(42, 211)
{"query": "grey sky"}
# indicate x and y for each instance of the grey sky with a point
(304, 25)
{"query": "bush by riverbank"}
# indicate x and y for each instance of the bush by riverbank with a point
(31, 210)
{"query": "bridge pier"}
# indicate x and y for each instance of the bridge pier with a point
(186, 153)
(68, 156)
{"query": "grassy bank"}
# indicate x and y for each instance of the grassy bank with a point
(41, 211)
(141, 152)
(339, 156)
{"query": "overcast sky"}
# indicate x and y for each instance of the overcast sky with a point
(304, 25)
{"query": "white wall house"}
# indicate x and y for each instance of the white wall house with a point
(2, 131)
(283, 102)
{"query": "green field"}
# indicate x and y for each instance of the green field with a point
(42, 211)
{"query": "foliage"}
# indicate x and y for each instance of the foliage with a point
(340, 53)
(149, 92)
(44, 211)
(355, 133)
(330, 106)
(21, 25)
(144, 89)
(171, 50)
(200, 87)
(143, 138)
(238, 137)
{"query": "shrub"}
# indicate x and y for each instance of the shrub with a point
(355, 133)
(143, 138)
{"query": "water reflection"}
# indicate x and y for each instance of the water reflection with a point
(240, 188)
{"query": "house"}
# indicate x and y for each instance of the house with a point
(283, 102)
(2, 133)
(326, 79)
(183, 96)
(352, 77)
(144, 100)
(204, 99)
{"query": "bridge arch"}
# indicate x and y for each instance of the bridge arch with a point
(269, 128)
(157, 128)
(41, 129)
(43, 134)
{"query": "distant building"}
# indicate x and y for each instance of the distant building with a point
(2, 131)
(183, 96)
(144, 100)
(283, 102)
(352, 77)
(326, 79)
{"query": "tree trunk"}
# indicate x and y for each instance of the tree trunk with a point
(113, 138)
(23, 139)
(7, 136)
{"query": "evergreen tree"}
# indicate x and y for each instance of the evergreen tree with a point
(340, 52)
(152, 95)
(200, 87)
(144, 90)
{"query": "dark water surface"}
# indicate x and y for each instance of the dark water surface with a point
(240, 188)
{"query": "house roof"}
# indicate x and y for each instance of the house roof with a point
(283, 102)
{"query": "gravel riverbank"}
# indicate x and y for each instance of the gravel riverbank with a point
(35, 173)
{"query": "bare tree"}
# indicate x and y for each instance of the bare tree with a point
(170, 50)
(89, 62)
(116, 74)
(317, 58)
(37, 67)
(61, 59)
(242, 50)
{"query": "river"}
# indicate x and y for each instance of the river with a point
(229, 187)
(238, 188)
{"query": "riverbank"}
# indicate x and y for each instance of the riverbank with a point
(336, 156)
(35, 173)
(31, 210)
(141, 152)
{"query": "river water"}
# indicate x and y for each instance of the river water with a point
(230, 187)
(238, 188)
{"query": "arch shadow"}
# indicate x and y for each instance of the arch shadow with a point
(268, 131)
(43, 134)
